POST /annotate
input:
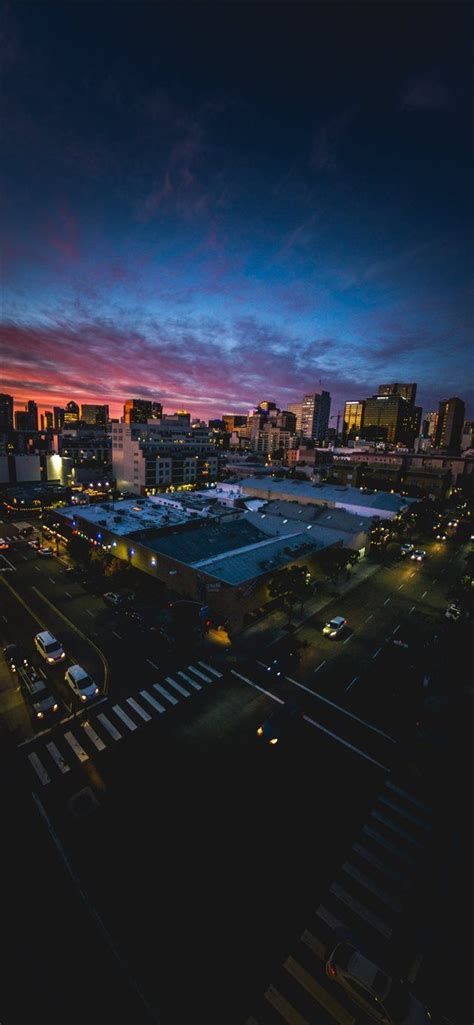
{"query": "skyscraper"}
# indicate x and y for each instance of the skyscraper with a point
(315, 416)
(406, 391)
(297, 409)
(6, 412)
(58, 417)
(71, 413)
(450, 424)
(353, 418)
(95, 415)
(32, 414)
(384, 418)
(138, 411)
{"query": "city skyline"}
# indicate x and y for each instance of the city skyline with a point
(236, 233)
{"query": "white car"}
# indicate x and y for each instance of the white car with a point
(382, 998)
(406, 549)
(82, 685)
(45, 552)
(112, 598)
(49, 648)
(418, 555)
(335, 626)
(453, 612)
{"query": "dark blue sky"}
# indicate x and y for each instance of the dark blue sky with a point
(216, 204)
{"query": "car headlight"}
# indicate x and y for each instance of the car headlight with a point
(13, 669)
(83, 697)
(274, 740)
(55, 708)
(260, 731)
(333, 633)
(50, 659)
(63, 654)
(96, 690)
(39, 715)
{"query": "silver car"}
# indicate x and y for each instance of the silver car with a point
(382, 998)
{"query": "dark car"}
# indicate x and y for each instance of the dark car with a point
(15, 656)
(281, 724)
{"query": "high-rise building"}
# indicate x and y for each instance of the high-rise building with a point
(58, 417)
(96, 416)
(429, 425)
(138, 411)
(406, 391)
(232, 421)
(6, 412)
(384, 418)
(353, 418)
(450, 424)
(32, 413)
(315, 416)
(48, 419)
(467, 436)
(286, 420)
(162, 453)
(21, 420)
(297, 409)
(71, 413)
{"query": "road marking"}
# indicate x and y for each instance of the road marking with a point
(360, 909)
(381, 867)
(210, 670)
(150, 663)
(69, 595)
(317, 992)
(348, 638)
(51, 580)
(37, 569)
(387, 601)
(396, 629)
(345, 743)
(202, 676)
(283, 1006)
(177, 686)
(5, 620)
(166, 694)
(117, 635)
(408, 797)
(390, 824)
(90, 732)
(76, 747)
(105, 664)
(371, 887)
(376, 653)
(369, 617)
(138, 709)
(390, 847)
(257, 687)
(424, 594)
(401, 585)
(435, 581)
(39, 768)
(188, 679)
(109, 726)
(321, 664)
(89, 613)
(412, 574)
(411, 610)
(415, 968)
(351, 684)
(124, 717)
(327, 917)
(408, 815)
(340, 708)
(316, 945)
(58, 758)
(152, 702)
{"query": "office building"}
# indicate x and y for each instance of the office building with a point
(232, 421)
(406, 391)
(315, 416)
(353, 418)
(429, 425)
(385, 418)
(467, 436)
(71, 413)
(297, 409)
(21, 420)
(95, 416)
(147, 458)
(450, 424)
(6, 412)
(58, 417)
(139, 411)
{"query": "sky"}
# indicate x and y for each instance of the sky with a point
(215, 204)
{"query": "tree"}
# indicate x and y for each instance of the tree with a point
(80, 550)
(336, 559)
(291, 585)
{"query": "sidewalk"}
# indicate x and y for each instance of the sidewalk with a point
(270, 628)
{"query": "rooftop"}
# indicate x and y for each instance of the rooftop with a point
(331, 493)
(129, 516)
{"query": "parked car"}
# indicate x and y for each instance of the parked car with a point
(454, 612)
(15, 656)
(82, 685)
(334, 627)
(49, 648)
(418, 555)
(441, 537)
(45, 552)
(42, 703)
(280, 724)
(406, 549)
(386, 1000)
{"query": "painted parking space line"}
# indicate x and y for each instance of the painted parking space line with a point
(321, 664)
(177, 686)
(387, 601)
(371, 887)
(316, 991)
(210, 669)
(188, 679)
(202, 676)
(76, 747)
(151, 701)
(150, 663)
(138, 709)
(360, 909)
(351, 684)
(129, 723)
(39, 768)
(93, 736)
(109, 726)
(166, 694)
(57, 757)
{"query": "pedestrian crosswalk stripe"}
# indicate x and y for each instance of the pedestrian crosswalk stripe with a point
(318, 993)
(210, 670)
(187, 678)
(283, 1006)
(330, 919)
(138, 709)
(390, 824)
(93, 736)
(390, 847)
(124, 717)
(314, 944)
(359, 909)
(408, 797)
(372, 887)
(166, 694)
(367, 856)
(408, 815)
(152, 702)
(39, 768)
(177, 686)
(109, 726)
(207, 679)
(76, 747)
(57, 756)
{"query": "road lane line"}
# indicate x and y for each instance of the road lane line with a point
(376, 653)
(69, 595)
(105, 664)
(51, 580)
(396, 629)
(138, 709)
(321, 664)
(257, 687)
(340, 708)
(152, 702)
(424, 594)
(188, 679)
(387, 601)
(58, 758)
(411, 610)
(166, 694)
(131, 725)
(369, 617)
(93, 736)
(109, 726)
(401, 585)
(76, 747)
(351, 684)
(89, 613)
(348, 638)
(177, 686)
(345, 743)
(150, 663)
(39, 768)
(117, 635)
(210, 670)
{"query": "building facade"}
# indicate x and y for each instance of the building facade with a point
(353, 418)
(6, 412)
(315, 416)
(95, 415)
(139, 411)
(450, 424)
(150, 457)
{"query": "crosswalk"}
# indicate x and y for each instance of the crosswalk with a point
(53, 759)
(367, 898)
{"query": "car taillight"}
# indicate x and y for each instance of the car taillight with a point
(331, 970)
